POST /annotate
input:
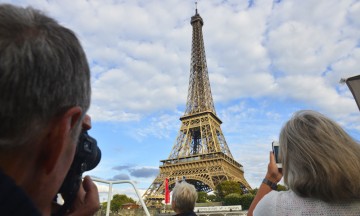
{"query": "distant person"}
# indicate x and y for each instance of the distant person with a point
(183, 199)
(321, 167)
(44, 97)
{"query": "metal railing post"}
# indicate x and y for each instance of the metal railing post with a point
(110, 193)
(109, 199)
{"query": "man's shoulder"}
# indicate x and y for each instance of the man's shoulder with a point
(13, 200)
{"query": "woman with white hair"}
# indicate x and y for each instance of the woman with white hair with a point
(321, 167)
(183, 200)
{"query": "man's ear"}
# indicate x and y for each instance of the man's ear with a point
(59, 136)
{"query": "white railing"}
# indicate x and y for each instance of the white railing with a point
(218, 208)
(110, 193)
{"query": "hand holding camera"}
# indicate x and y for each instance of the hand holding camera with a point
(87, 157)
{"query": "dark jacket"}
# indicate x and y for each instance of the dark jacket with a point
(13, 199)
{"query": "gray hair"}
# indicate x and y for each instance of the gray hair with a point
(43, 72)
(184, 195)
(320, 160)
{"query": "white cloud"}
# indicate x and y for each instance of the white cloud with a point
(160, 127)
(345, 67)
(354, 14)
(313, 90)
(140, 51)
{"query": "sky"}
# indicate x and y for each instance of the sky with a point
(266, 60)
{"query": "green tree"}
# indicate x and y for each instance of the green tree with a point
(246, 200)
(211, 198)
(254, 191)
(103, 205)
(281, 187)
(232, 199)
(202, 197)
(226, 188)
(117, 201)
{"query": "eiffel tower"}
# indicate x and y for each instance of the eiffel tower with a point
(200, 153)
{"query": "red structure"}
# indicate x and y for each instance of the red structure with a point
(167, 192)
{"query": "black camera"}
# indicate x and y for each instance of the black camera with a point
(87, 157)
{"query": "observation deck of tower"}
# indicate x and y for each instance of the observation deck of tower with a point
(200, 153)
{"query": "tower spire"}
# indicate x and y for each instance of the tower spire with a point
(196, 7)
(199, 93)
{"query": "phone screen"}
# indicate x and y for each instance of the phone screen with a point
(276, 153)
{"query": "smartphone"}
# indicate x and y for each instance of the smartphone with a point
(276, 151)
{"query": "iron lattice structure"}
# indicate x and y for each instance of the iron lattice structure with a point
(200, 153)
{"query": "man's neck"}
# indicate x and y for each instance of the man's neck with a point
(20, 168)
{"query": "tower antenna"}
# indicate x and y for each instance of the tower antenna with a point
(196, 7)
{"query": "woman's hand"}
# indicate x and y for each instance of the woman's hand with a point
(274, 174)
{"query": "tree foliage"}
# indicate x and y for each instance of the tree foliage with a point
(281, 187)
(232, 199)
(117, 201)
(246, 200)
(103, 205)
(212, 198)
(254, 191)
(227, 187)
(202, 197)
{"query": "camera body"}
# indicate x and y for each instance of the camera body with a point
(87, 157)
(276, 151)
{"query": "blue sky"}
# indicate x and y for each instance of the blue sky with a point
(266, 60)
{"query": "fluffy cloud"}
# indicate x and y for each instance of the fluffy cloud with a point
(160, 126)
(121, 176)
(144, 172)
(139, 51)
(135, 171)
(122, 167)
